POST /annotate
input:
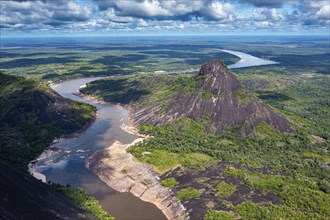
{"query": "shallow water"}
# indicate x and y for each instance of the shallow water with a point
(67, 165)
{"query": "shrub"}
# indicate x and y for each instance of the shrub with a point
(188, 193)
(212, 214)
(169, 182)
(225, 189)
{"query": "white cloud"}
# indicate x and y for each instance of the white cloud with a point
(38, 14)
(151, 15)
(324, 12)
(265, 14)
(217, 10)
(148, 8)
(110, 14)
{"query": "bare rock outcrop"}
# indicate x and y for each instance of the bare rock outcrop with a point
(120, 171)
(219, 96)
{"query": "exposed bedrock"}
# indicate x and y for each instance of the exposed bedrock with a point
(120, 171)
(219, 96)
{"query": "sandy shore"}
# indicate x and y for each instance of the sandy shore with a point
(122, 172)
(37, 175)
(90, 98)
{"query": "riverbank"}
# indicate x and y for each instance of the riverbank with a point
(50, 151)
(122, 172)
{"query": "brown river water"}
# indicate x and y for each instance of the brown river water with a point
(67, 164)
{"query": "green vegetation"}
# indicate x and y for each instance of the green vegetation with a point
(258, 180)
(300, 98)
(31, 116)
(249, 210)
(242, 96)
(298, 192)
(225, 189)
(85, 201)
(160, 160)
(297, 88)
(133, 90)
(169, 182)
(163, 160)
(53, 59)
(188, 193)
(301, 155)
(212, 214)
(278, 153)
(206, 95)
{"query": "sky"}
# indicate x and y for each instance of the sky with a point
(20, 18)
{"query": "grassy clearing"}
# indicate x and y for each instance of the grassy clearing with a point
(212, 214)
(162, 160)
(169, 182)
(188, 193)
(225, 189)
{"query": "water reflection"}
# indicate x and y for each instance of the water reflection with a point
(67, 164)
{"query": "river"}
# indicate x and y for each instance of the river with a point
(246, 60)
(66, 164)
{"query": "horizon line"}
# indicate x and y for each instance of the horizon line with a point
(169, 35)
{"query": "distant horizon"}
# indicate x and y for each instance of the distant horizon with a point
(75, 18)
(170, 35)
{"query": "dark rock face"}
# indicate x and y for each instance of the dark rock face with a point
(44, 107)
(220, 97)
(218, 79)
(24, 197)
(206, 181)
(32, 115)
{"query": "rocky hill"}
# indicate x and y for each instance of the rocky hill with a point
(24, 197)
(32, 115)
(214, 97)
(219, 98)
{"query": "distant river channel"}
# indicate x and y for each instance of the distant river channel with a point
(65, 163)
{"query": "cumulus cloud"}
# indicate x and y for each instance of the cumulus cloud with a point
(164, 15)
(37, 14)
(217, 11)
(323, 13)
(168, 9)
(313, 13)
(270, 15)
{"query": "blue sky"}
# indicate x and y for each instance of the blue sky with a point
(19, 18)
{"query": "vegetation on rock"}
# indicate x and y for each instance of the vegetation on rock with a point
(225, 189)
(82, 199)
(289, 170)
(32, 116)
(212, 214)
(169, 182)
(188, 193)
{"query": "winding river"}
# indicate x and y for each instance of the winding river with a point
(65, 163)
